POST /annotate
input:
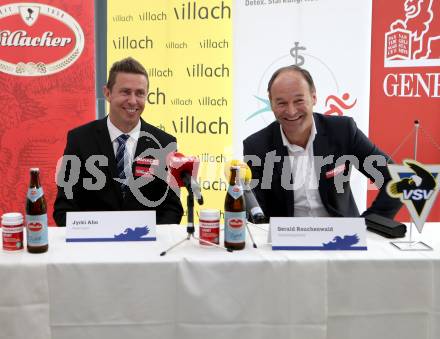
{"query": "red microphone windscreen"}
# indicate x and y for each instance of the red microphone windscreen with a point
(178, 164)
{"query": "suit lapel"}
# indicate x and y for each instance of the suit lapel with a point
(105, 145)
(281, 150)
(106, 148)
(321, 145)
(148, 146)
(321, 148)
(144, 141)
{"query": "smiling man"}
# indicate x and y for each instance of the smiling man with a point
(105, 160)
(302, 161)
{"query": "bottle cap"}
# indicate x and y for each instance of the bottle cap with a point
(209, 214)
(34, 169)
(245, 171)
(13, 218)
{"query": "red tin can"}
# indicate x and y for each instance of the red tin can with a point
(12, 231)
(209, 226)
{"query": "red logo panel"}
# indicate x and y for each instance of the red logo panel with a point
(405, 82)
(37, 111)
(37, 39)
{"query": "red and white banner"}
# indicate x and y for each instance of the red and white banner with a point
(47, 76)
(405, 82)
(47, 86)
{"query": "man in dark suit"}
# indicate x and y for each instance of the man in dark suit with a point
(302, 161)
(119, 162)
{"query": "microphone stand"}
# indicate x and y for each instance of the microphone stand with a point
(250, 235)
(190, 229)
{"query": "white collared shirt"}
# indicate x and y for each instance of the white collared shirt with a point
(131, 143)
(307, 201)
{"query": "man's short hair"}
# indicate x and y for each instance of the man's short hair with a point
(305, 73)
(127, 65)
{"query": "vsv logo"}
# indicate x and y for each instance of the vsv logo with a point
(38, 39)
(416, 185)
(417, 194)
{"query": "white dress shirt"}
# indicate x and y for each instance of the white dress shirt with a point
(130, 144)
(307, 201)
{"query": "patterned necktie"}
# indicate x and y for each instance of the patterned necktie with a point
(121, 161)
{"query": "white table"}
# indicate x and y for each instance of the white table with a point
(126, 290)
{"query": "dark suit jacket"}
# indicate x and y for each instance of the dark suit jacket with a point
(337, 136)
(94, 139)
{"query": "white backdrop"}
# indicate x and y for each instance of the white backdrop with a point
(336, 35)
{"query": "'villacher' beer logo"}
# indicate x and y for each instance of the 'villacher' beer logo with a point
(35, 227)
(235, 223)
(38, 39)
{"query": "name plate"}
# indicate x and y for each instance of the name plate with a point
(328, 234)
(111, 226)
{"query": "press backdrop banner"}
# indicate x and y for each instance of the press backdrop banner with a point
(186, 47)
(46, 88)
(405, 82)
(330, 38)
(210, 62)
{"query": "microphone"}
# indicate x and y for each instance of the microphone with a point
(183, 170)
(253, 208)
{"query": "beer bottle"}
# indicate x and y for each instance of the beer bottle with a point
(235, 212)
(36, 215)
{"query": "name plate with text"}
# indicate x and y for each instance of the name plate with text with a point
(328, 234)
(111, 226)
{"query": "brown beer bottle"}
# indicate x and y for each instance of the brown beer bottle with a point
(235, 212)
(36, 215)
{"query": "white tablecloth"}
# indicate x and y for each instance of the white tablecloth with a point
(126, 290)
